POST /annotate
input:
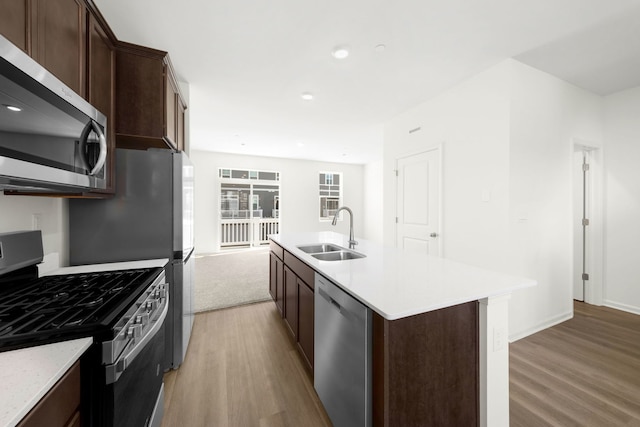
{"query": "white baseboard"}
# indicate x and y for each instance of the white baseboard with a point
(541, 326)
(623, 307)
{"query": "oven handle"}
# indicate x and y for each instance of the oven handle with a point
(114, 371)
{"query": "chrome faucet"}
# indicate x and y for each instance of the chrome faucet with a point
(352, 241)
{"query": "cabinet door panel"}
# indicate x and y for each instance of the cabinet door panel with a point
(140, 98)
(272, 275)
(305, 321)
(15, 22)
(101, 85)
(291, 300)
(180, 131)
(280, 286)
(171, 111)
(60, 40)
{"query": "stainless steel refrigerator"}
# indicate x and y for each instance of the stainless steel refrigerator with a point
(151, 216)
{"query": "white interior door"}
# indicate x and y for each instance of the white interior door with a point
(418, 202)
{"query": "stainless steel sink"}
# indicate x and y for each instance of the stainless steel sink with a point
(330, 252)
(320, 248)
(337, 256)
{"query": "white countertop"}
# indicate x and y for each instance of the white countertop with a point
(397, 283)
(112, 266)
(27, 374)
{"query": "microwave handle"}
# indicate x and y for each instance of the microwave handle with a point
(102, 140)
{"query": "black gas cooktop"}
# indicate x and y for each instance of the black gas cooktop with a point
(51, 308)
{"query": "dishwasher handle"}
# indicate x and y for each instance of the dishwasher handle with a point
(348, 307)
(328, 298)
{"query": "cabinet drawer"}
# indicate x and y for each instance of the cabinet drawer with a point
(276, 249)
(302, 270)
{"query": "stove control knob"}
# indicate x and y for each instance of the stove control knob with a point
(152, 305)
(161, 293)
(142, 319)
(134, 331)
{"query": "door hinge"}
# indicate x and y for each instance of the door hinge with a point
(585, 167)
(585, 276)
(585, 222)
(396, 171)
(396, 220)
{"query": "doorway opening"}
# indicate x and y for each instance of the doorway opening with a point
(587, 223)
(249, 207)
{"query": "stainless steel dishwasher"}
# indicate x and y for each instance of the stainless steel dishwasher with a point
(342, 355)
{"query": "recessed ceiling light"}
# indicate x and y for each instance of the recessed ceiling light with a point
(13, 108)
(380, 48)
(306, 96)
(300, 144)
(340, 52)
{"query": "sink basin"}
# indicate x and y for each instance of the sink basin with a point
(320, 248)
(337, 256)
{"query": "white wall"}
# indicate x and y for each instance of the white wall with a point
(622, 156)
(506, 132)
(16, 213)
(373, 202)
(547, 114)
(299, 202)
(471, 122)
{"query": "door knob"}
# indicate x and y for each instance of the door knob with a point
(434, 235)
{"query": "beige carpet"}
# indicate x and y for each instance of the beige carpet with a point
(230, 279)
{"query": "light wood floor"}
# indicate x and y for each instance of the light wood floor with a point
(583, 372)
(242, 370)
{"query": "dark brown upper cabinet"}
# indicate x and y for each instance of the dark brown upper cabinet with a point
(53, 32)
(149, 106)
(15, 22)
(59, 40)
(101, 81)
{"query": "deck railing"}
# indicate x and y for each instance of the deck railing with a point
(247, 232)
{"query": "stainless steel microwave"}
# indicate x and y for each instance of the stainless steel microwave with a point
(51, 139)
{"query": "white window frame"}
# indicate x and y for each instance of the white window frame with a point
(334, 193)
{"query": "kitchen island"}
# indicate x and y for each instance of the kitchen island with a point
(440, 329)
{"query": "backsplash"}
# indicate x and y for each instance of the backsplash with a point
(47, 214)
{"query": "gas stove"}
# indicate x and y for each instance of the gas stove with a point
(50, 308)
(124, 311)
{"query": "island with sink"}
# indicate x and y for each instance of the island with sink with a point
(435, 346)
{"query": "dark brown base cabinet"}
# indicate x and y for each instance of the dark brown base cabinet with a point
(293, 294)
(60, 407)
(425, 368)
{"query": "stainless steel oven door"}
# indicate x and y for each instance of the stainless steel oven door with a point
(140, 335)
(136, 398)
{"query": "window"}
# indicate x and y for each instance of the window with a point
(249, 174)
(330, 192)
(244, 194)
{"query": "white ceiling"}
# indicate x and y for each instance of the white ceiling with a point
(248, 61)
